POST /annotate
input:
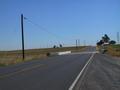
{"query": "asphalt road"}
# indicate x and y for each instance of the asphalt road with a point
(102, 74)
(53, 73)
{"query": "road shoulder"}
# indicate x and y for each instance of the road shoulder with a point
(102, 74)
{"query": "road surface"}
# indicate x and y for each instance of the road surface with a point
(102, 74)
(53, 73)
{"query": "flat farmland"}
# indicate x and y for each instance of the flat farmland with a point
(13, 57)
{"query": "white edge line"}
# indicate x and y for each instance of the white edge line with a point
(79, 75)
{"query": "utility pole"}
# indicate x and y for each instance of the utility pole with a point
(84, 43)
(118, 37)
(22, 30)
(76, 43)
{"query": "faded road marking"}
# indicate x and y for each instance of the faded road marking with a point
(20, 71)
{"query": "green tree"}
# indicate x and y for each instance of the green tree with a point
(112, 42)
(105, 38)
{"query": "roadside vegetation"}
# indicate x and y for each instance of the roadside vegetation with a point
(106, 45)
(114, 50)
(13, 57)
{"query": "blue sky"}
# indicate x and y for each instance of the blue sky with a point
(67, 20)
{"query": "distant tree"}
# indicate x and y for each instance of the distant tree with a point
(100, 43)
(112, 42)
(60, 45)
(105, 38)
(54, 46)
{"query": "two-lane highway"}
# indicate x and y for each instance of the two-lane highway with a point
(53, 73)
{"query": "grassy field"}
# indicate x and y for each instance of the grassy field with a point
(13, 57)
(114, 50)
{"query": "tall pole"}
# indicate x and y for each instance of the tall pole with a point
(22, 29)
(84, 43)
(118, 37)
(76, 43)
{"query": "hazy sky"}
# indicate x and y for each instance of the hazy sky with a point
(64, 20)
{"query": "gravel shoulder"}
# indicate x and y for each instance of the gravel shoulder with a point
(102, 74)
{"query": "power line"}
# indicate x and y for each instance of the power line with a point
(49, 32)
(42, 28)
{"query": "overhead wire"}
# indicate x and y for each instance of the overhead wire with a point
(42, 28)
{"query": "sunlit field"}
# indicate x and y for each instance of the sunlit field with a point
(13, 57)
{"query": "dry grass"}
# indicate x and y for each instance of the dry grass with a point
(114, 50)
(13, 57)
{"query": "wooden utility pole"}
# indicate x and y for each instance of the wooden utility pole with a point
(22, 30)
